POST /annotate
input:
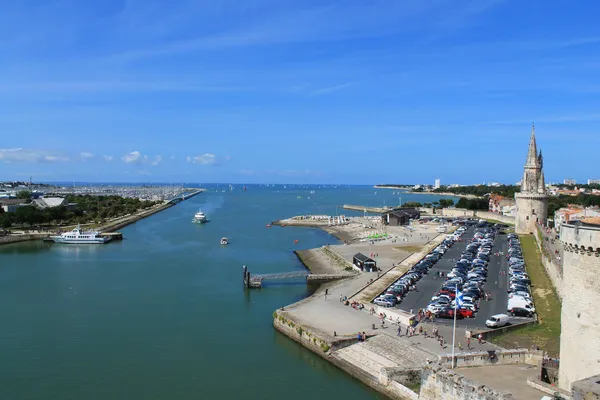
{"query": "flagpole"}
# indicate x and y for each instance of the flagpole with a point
(454, 329)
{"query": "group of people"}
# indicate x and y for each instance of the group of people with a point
(361, 336)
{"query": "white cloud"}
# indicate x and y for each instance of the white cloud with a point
(330, 89)
(135, 157)
(107, 158)
(204, 159)
(86, 155)
(20, 155)
(248, 172)
(157, 160)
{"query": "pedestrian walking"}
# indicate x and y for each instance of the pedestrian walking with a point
(341, 298)
(480, 338)
(469, 343)
(399, 330)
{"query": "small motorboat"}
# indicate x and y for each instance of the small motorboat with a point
(224, 241)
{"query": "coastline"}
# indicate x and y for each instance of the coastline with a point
(408, 190)
(107, 228)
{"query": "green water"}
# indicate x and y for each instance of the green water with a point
(163, 314)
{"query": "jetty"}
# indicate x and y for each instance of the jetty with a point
(255, 281)
(373, 210)
(185, 196)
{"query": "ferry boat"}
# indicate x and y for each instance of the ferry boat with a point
(78, 236)
(199, 217)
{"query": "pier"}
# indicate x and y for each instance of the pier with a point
(185, 196)
(255, 281)
(373, 210)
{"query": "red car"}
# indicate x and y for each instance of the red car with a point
(465, 313)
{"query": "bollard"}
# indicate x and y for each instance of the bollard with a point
(373, 326)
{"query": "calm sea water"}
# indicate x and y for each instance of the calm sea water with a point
(162, 314)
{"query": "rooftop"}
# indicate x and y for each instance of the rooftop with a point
(591, 220)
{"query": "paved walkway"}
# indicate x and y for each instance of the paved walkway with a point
(507, 378)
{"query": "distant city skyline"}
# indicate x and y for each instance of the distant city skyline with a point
(290, 92)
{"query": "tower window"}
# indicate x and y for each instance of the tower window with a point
(527, 218)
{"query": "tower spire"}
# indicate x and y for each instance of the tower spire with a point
(532, 154)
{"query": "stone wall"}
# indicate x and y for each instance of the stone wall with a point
(501, 357)
(21, 238)
(325, 346)
(580, 323)
(456, 212)
(438, 383)
(587, 389)
(554, 271)
(505, 219)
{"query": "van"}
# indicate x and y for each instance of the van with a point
(521, 303)
(496, 321)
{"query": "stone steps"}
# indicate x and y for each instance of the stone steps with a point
(396, 350)
(363, 358)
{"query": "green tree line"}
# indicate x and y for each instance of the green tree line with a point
(87, 209)
(481, 190)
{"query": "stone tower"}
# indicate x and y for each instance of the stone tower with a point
(580, 325)
(532, 202)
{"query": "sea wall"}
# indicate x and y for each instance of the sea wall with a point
(325, 346)
(500, 357)
(553, 270)
(438, 383)
(113, 226)
(21, 238)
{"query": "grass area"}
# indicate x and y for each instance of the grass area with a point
(414, 386)
(409, 249)
(545, 334)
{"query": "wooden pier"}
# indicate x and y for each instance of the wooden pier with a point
(255, 281)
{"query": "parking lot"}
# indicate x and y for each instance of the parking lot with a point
(496, 285)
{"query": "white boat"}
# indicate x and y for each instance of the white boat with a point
(224, 241)
(199, 217)
(78, 236)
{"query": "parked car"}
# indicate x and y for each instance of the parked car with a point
(465, 313)
(385, 301)
(520, 312)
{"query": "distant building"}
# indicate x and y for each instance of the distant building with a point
(11, 205)
(593, 181)
(531, 201)
(574, 213)
(570, 182)
(400, 216)
(502, 205)
(49, 202)
(436, 185)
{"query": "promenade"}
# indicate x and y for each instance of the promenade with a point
(329, 314)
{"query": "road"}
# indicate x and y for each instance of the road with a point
(495, 285)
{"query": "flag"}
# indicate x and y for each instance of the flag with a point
(458, 299)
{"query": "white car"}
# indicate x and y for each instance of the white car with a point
(384, 302)
(519, 294)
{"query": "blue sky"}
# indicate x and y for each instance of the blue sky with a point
(306, 91)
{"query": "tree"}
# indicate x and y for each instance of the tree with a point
(24, 194)
(444, 203)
